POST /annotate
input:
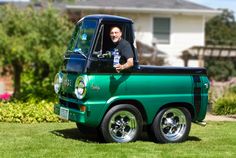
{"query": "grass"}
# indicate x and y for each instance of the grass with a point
(217, 139)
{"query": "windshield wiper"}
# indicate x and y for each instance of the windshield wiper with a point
(80, 52)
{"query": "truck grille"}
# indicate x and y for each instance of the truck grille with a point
(68, 95)
(69, 104)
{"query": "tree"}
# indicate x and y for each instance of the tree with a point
(221, 30)
(32, 42)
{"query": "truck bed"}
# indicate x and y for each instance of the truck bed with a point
(171, 70)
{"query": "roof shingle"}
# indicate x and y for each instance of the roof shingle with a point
(152, 4)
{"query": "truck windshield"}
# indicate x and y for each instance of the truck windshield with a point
(82, 37)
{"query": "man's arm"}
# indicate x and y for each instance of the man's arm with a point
(128, 64)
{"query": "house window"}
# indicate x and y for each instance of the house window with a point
(161, 30)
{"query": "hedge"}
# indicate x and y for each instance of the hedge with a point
(27, 112)
(227, 104)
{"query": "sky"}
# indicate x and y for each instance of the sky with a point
(229, 4)
(14, 0)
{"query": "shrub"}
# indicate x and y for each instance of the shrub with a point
(225, 105)
(27, 112)
(232, 89)
(220, 70)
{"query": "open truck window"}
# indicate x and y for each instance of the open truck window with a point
(102, 55)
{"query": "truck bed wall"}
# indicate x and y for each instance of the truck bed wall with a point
(152, 90)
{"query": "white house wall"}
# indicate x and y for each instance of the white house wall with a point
(142, 27)
(186, 31)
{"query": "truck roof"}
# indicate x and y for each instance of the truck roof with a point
(105, 17)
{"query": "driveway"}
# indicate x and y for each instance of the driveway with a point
(210, 117)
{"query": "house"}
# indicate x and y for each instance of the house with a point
(18, 3)
(170, 26)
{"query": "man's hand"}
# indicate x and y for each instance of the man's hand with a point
(118, 67)
(128, 64)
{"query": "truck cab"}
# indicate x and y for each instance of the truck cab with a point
(91, 93)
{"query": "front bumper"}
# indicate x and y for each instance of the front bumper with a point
(73, 115)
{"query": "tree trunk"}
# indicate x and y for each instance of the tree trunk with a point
(17, 69)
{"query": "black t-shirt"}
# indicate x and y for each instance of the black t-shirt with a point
(125, 50)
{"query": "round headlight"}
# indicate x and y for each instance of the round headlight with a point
(80, 88)
(57, 82)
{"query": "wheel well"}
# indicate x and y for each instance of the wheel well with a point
(188, 106)
(134, 103)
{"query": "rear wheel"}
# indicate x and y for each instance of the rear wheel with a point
(122, 123)
(171, 125)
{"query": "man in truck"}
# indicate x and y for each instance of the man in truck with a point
(124, 49)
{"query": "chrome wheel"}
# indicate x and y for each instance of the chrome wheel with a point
(123, 126)
(173, 124)
(122, 123)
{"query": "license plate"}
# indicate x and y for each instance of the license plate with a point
(64, 113)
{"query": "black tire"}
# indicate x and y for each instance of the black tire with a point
(171, 125)
(122, 123)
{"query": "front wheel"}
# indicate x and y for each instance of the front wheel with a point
(122, 123)
(172, 125)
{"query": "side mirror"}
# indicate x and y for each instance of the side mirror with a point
(108, 54)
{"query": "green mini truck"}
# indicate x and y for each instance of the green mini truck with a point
(120, 105)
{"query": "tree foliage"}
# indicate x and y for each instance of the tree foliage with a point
(219, 69)
(32, 43)
(221, 31)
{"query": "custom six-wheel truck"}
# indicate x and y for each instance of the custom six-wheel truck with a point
(163, 100)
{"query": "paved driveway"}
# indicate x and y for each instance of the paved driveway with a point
(210, 117)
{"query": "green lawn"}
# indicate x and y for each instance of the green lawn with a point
(217, 139)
